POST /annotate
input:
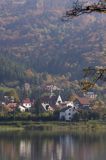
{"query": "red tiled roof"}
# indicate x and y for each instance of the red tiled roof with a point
(83, 100)
(60, 106)
(27, 100)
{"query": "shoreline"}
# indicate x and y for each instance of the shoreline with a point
(53, 126)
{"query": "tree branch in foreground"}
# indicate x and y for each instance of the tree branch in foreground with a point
(79, 8)
(97, 73)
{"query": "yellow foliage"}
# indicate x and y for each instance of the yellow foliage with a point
(29, 73)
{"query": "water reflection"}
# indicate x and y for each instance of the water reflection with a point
(25, 149)
(53, 147)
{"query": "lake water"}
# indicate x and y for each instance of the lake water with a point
(33, 146)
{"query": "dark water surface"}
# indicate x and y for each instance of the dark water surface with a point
(32, 146)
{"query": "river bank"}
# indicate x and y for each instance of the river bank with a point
(52, 126)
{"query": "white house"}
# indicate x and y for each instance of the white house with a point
(67, 113)
(59, 100)
(47, 107)
(90, 95)
(21, 108)
(27, 103)
(70, 103)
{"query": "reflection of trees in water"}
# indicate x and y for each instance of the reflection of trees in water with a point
(8, 150)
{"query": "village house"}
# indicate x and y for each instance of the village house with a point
(82, 102)
(21, 108)
(27, 103)
(54, 102)
(51, 103)
(90, 95)
(67, 113)
(47, 107)
(59, 100)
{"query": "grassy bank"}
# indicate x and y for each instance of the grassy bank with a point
(6, 128)
(53, 126)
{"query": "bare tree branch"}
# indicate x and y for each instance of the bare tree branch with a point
(79, 8)
(97, 73)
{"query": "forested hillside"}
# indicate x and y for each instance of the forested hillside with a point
(34, 39)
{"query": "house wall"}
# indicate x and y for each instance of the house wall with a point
(68, 114)
(62, 116)
(27, 105)
(22, 109)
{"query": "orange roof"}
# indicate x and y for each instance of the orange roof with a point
(27, 100)
(83, 100)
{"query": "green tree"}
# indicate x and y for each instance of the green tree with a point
(37, 107)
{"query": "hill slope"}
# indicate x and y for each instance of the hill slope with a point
(32, 32)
